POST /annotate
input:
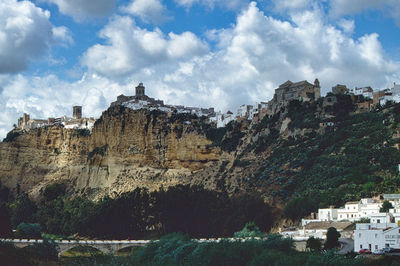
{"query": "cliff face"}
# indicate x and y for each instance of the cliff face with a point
(126, 149)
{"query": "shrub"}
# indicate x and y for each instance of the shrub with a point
(83, 132)
(29, 230)
(54, 191)
(12, 135)
(249, 230)
(332, 238)
(298, 208)
(314, 244)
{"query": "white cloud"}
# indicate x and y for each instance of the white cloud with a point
(25, 34)
(63, 35)
(291, 4)
(347, 25)
(81, 10)
(130, 48)
(345, 7)
(149, 11)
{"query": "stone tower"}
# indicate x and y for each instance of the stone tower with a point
(317, 89)
(139, 91)
(77, 112)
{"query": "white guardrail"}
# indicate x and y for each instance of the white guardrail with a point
(102, 242)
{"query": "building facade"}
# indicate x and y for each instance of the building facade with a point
(376, 236)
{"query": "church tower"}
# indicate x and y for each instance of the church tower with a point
(317, 89)
(139, 91)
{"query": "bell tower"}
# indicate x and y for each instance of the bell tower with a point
(139, 91)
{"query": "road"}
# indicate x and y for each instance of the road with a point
(347, 245)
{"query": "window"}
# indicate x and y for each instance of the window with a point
(361, 246)
(359, 234)
(376, 246)
(376, 235)
(378, 221)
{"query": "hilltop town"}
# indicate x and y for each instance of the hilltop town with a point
(364, 97)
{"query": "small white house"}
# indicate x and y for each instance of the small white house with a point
(381, 218)
(329, 214)
(376, 236)
(350, 211)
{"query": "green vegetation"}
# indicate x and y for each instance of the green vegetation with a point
(332, 238)
(302, 115)
(38, 254)
(364, 221)
(12, 135)
(27, 230)
(137, 214)
(314, 244)
(83, 132)
(228, 138)
(386, 206)
(249, 230)
(298, 207)
(353, 158)
(178, 249)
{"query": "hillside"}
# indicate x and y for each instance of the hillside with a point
(321, 155)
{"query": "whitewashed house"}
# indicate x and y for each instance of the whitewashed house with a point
(369, 206)
(381, 218)
(376, 236)
(329, 214)
(350, 212)
(367, 92)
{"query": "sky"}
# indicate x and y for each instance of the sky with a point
(206, 53)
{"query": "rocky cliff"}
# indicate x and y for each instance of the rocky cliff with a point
(126, 149)
(305, 149)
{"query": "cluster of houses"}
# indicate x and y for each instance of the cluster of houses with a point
(141, 101)
(76, 121)
(374, 229)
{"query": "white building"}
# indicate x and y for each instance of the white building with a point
(329, 214)
(352, 211)
(222, 119)
(376, 236)
(391, 94)
(367, 92)
(382, 217)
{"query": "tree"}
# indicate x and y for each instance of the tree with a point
(332, 238)
(249, 230)
(314, 244)
(29, 230)
(386, 206)
(298, 208)
(23, 209)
